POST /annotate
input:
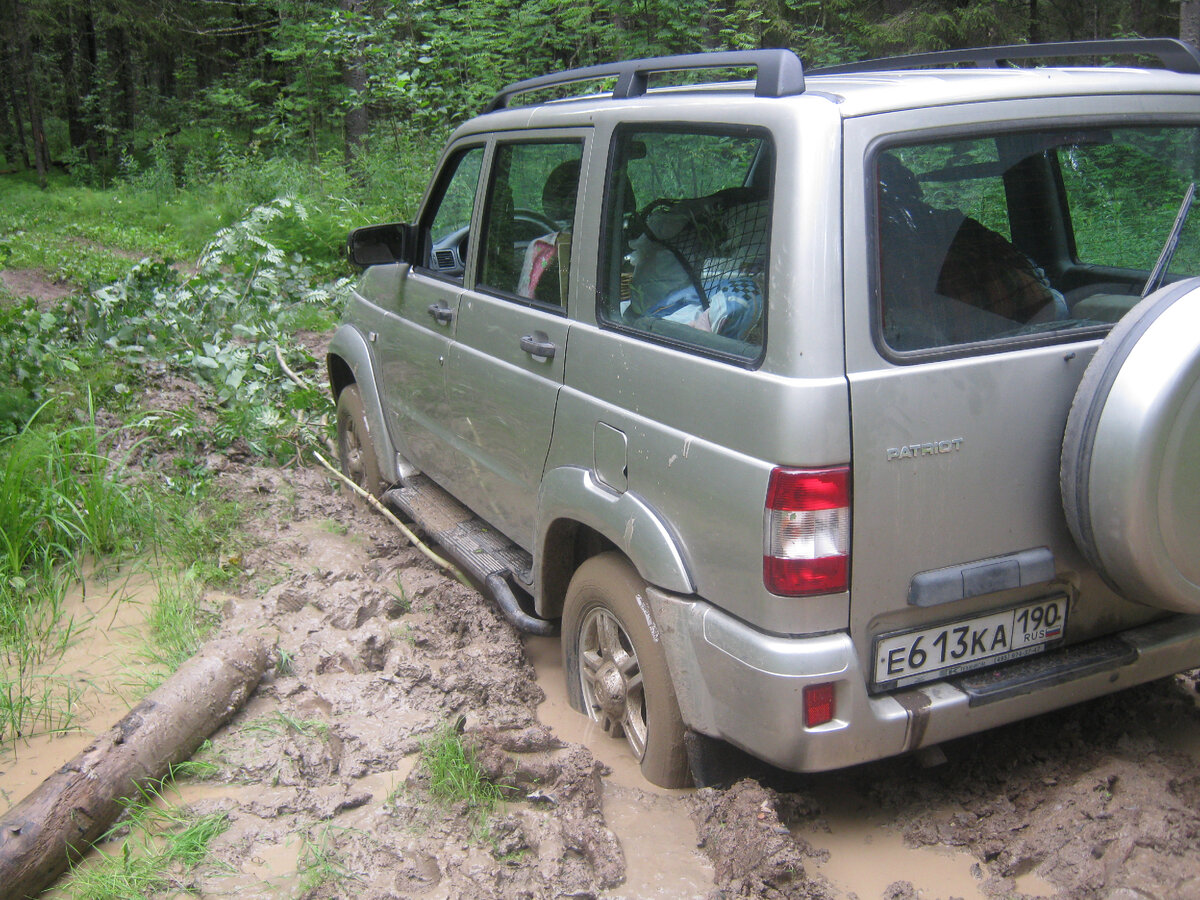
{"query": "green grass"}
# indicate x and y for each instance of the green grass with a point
(280, 722)
(318, 864)
(64, 497)
(163, 844)
(61, 497)
(90, 237)
(455, 777)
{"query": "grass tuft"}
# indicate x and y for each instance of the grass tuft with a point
(455, 776)
(163, 843)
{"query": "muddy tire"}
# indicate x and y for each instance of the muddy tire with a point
(356, 450)
(1129, 479)
(616, 670)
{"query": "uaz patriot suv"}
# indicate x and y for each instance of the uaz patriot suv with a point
(831, 415)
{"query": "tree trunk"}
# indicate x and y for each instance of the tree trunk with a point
(354, 77)
(87, 71)
(125, 114)
(69, 55)
(33, 99)
(77, 804)
(1189, 21)
(16, 151)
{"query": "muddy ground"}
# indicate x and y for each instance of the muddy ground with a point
(320, 778)
(1100, 801)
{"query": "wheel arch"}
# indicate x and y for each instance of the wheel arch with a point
(349, 361)
(580, 518)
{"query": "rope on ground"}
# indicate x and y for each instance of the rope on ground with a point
(438, 561)
(300, 382)
(391, 517)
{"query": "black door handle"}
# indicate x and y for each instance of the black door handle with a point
(442, 314)
(537, 345)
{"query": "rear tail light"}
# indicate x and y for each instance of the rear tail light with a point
(807, 539)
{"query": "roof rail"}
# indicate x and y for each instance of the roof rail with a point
(1178, 56)
(780, 74)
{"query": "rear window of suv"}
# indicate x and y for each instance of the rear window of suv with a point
(986, 239)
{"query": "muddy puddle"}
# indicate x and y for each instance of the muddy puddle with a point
(98, 677)
(867, 852)
(653, 824)
(863, 852)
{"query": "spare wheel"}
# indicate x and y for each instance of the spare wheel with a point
(1130, 471)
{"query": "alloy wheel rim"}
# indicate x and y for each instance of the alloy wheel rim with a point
(611, 677)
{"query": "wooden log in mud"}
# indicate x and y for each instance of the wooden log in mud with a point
(76, 805)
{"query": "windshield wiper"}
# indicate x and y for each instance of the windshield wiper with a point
(1159, 272)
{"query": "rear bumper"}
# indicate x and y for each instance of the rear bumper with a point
(746, 687)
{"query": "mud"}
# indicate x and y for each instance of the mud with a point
(320, 777)
(35, 283)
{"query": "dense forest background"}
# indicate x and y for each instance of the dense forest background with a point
(189, 89)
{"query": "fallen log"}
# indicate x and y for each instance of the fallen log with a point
(56, 824)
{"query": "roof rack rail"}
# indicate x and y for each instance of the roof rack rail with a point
(780, 74)
(1178, 56)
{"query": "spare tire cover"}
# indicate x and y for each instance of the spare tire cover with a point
(1130, 471)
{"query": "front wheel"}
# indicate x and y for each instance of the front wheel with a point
(356, 451)
(616, 669)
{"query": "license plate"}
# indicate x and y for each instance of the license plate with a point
(912, 657)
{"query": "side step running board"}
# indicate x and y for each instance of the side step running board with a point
(479, 549)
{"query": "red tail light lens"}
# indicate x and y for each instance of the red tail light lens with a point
(818, 704)
(807, 532)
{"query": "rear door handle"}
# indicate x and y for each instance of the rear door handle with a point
(444, 315)
(537, 345)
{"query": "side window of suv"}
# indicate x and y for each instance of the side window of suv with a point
(687, 238)
(528, 219)
(449, 221)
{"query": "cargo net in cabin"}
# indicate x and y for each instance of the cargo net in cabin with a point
(702, 262)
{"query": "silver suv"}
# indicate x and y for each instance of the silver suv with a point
(832, 415)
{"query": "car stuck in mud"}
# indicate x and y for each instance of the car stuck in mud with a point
(831, 415)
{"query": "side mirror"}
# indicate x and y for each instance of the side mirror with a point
(374, 245)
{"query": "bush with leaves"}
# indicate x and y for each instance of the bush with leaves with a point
(223, 324)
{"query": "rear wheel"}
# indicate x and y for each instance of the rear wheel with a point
(356, 451)
(616, 669)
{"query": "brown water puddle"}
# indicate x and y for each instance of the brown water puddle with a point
(865, 854)
(98, 668)
(653, 825)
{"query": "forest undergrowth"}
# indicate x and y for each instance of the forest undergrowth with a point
(89, 473)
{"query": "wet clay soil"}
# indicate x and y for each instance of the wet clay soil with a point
(320, 780)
